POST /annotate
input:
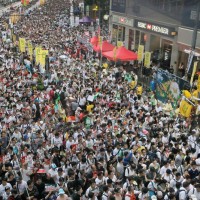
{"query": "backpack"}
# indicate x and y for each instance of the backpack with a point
(178, 192)
(152, 155)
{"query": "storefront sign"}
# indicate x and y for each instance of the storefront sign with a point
(118, 6)
(152, 27)
(122, 20)
(140, 52)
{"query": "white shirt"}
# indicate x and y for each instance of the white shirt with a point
(22, 186)
(182, 194)
(2, 188)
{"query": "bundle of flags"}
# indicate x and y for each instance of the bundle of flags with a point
(25, 2)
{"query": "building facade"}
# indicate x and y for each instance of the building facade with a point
(164, 27)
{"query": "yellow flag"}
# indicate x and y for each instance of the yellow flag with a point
(198, 84)
(30, 49)
(43, 55)
(193, 72)
(22, 44)
(42, 2)
(14, 37)
(147, 59)
(185, 108)
(140, 52)
(187, 94)
(119, 43)
(37, 54)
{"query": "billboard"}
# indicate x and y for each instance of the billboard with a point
(169, 87)
(118, 6)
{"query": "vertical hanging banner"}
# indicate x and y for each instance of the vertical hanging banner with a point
(22, 44)
(37, 54)
(147, 59)
(198, 83)
(43, 55)
(30, 49)
(193, 72)
(119, 43)
(140, 52)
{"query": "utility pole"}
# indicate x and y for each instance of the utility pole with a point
(194, 38)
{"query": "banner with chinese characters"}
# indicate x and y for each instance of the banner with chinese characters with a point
(147, 59)
(169, 87)
(43, 55)
(185, 108)
(140, 52)
(120, 44)
(198, 84)
(22, 44)
(37, 54)
(30, 49)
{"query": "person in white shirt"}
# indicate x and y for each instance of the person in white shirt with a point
(183, 191)
(4, 185)
(26, 172)
(7, 193)
(52, 172)
(21, 185)
(56, 140)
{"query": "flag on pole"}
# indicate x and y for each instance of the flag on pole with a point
(140, 52)
(115, 53)
(193, 72)
(185, 108)
(147, 59)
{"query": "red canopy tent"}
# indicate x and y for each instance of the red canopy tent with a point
(121, 53)
(106, 46)
(94, 40)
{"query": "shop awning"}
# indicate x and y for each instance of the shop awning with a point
(85, 19)
(121, 54)
(106, 46)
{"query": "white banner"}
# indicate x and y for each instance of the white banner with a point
(76, 21)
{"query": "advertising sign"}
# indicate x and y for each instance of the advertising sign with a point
(155, 28)
(118, 6)
(169, 86)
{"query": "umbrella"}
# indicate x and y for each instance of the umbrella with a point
(106, 46)
(94, 40)
(121, 53)
(85, 20)
(63, 57)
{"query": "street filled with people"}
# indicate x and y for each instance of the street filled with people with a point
(85, 128)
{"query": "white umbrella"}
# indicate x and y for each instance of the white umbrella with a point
(63, 57)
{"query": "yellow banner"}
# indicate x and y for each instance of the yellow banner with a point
(43, 55)
(193, 72)
(140, 52)
(119, 43)
(198, 84)
(22, 44)
(14, 18)
(14, 37)
(147, 59)
(185, 108)
(42, 2)
(37, 54)
(30, 49)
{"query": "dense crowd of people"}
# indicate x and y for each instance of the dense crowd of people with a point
(85, 131)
